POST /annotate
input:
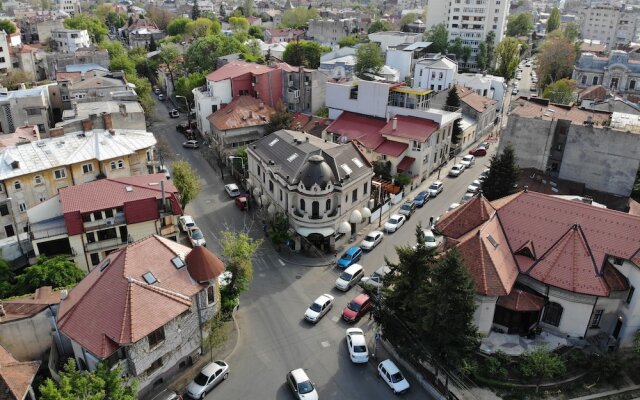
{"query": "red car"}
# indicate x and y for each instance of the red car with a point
(241, 202)
(357, 308)
(479, 151)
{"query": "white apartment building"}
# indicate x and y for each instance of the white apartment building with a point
(71, 7)
(491, 86)
(5, 57)
(70, 40)
(435, 72)
(615, 26)
(470, 20)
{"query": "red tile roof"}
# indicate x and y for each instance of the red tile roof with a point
(242, 112)
(128, 308)
(203, 265)
(359, 127)
(473, 99)
(615, 279)
(237, 68)
(463, 219)
(392, 148)
(412, 128)
(542, 108)
(309, 124)
(405, 164)
(112, 192)
(521, 301)
(15, 376)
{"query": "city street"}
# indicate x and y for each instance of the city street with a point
(273, 336)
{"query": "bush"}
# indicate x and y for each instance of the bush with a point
(495, 368)
(228, 305)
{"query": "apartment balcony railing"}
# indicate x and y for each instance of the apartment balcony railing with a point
(46, 229)
(309, 218)
(116, 220)
(107, 244)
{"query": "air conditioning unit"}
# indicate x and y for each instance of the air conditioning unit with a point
(295, 93)
(109, 221)
(307, 83)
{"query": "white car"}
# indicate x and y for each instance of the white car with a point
(430, 241)
(453, 206)
(473, 188)
(393, 377)
(211, 375)
(174, 113)
(375, 280)
(349, 277)
(468, 161)
(394, 223)
(319, 308)
(191, 144)
(232, 190)
(371, 240)
(357, 345)
(435, 188)
(196, 237)
(456, 170)
(467, 196)
(186, 223)
(301, 385)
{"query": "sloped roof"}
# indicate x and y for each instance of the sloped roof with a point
(463, 219)
(362, 128)
(203, 265)
(521, 301)
(408, 127)
(309, 124)
(15, 376)
(595, 92)
(405, 164)
(114, 305)
(542, 108)
(242, 112)
(473, 99)
(237, 68)
(392, 148)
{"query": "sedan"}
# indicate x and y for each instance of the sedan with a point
(211, 375)
(191, 144)
(186, 223)
(473, 188)
(375, 280)
(393, 377)
(357, 345)
(197, 238)
(456, 170)
(174, 113)
(435, 188)
(478, 151)
(371, 240)
(357, 308)
(232, 190)
(319, 308)
(394, 223)
(421, 199)
(468, 161)
(467, 196)
(301, 385)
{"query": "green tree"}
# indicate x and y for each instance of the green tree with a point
(556, 57)
(253, 52)
(298, 17)
(490, 41)
(186, 180)
(439, 38)
(238, 23)
(561, 92)
(482, 58)
(248, 8)
(238, 249)
(456, 47)
(368, 59)
(152, 44)
(453, 100)
(503, 175)
(202, 55)
(7, 26)
(103, 383)
(519, 24)
(14, 78)
(122, 62)
(113, 47)
(96, 28)
(256, 32)
(572, 32)
(115, 20)
(348, 41)
(541, 364)
(170, 55)
(199, 28)
(160, 16)
(507, 57)
(216, 332)
(553, 22)
(380, 25)
(6, 277)
(185, 84)
(466, 53)
(304, 53)
(281, 119)
(195, 11)
(382, 169)
(178, 26)
(279, 232)
(407, 19)
(57, 272)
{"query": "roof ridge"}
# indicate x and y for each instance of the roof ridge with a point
(179, 297)
(127, 312)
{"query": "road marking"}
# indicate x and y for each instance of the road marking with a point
(325, 344)
(281, 262)
(335, 319)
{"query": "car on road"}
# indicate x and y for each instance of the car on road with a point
(372, 239)
(357, 346)
(301, 385)
(241, 202)
(167, 395)
(430, 241)
(435, 188)
(392, 376)
(533, 88)
(473, 188)
(453, 206)
(350, 257)
(466, 197)
(196, 237)
(468, 161)
(528, 64)
(186, 223)
(394, 223)
(156, 90)
(486, 145)
(319, 308)
(514, 91)
(357, 308)
(210, 376)
(484, 174)
(232, 190)
(349, 277)
(421, 199)
(160, 96)
(479, 151)
(191, 144)
(174, 113)
(456, 170)
(407, 208)
(375, 280)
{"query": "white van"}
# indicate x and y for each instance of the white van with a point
(350, 277)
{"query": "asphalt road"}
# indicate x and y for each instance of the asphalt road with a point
(273, 336)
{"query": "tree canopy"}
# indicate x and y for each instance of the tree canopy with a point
(368, 59)
(561, 92)
(507, 57)
(256, 32)
(238, 23)
(185, 84)
(503, 175)
(281, 119)
(482, 59)
(556, 57)
(304, 53)
(380, 25)
(453, 100)
(202, 55)
(186, 180)
(348, 41)
(178, 26)
(439, 36)
(541, 364)
(520, 24)
(96, 28)
(56, 272)
(553, 22)
(160, 16)
(572, 31)
(298, 17)
(490, 42)
(7, 26)
(238, 248)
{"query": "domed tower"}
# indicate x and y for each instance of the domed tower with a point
(317, 176)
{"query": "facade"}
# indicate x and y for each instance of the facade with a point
(123, 115)
(575, 145)
(323, 188)
(282, 35)
(491, 86)
(37, 29)
(5, 56)
(479, 110)
(33, 172)
(140, 32)
(303, 88)
(30, 60)
(25, 107)
(470, 22)
(545, 262)
(435, 72)
(403, 58)
(617, 72)
(613, 25)
(331, 31)
(70, 40)
(338, 64)
(58, 62)
(121, 299)
(70, 7)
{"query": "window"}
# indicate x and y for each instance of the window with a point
(258, 170)
(328, 205)
(595, 321)
(95, 259)
(17, 185)
(281, 195)
(211, 295)
(65, 97)
(271, 186)
(630, 295)
(302, 204)
(33, 111)
(595, 80)
(583, 80)
(88, 168)
(4, 209)
(154, 366)
(366, 188)
(552, 314)
(433, 74)
(38, 180)
(632, 85)
(8, 230)
(22, 206)
(354, 195)
(156, 337)
(60, 173)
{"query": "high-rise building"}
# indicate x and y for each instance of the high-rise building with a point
(612, 25)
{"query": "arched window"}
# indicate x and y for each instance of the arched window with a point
(328, 204)
(302, 204)
(552, 314)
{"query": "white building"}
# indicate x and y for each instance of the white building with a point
(491, 86)
(70, 40)
(394, 38)
(470, 22)
(435, 72)
(70, 7)
(5, 57)
(403, 58)
(614, 26)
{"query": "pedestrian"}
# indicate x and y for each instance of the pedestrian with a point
(431, 222)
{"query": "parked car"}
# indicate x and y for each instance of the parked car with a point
(161, 97)
(468, 161)
(301, 385)
(371, 240)
(197, 238)
(167, 395)
(349, 257)
(421, 199)
(453, 206)
(466, 197)
(456, 170)
(191, 144)
(174, 113)
(375, 280)
(534, 88)
(394, 223)
(319, 308)
(232, 190)
(486, 145)
(484, 174)
(241, 202)
(392, 376)
(435, 188)
(514, 91)
(156, 90)
(186, 223)
(349, 277)
(357, 346)
(357, 308)
(473, 188)
(430, 241)
(211, 375)
(407, 208)
(479, 151)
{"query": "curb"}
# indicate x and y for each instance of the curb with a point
(237, 329)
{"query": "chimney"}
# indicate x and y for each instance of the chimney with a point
(56, 132)
(107, 121)
(87, 125)
(123, 109)
(394, 123)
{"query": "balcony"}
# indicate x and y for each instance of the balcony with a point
(309, 219)
(107, 244)
(48, 228)
(118, 219)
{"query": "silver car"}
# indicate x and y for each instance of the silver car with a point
(211, 375)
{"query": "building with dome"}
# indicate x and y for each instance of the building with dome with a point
(323, 188)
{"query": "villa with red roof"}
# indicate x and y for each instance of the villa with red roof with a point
(144, 308)
(540, 261)
(87, 222)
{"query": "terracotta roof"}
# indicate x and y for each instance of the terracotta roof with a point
(237, 68)
(596, 92)
(113, 192)
(363, 128)
(242, 112)
(405, 164)
(463, 219)
(203, 265)
(128, 307)
(541, 108)
(282, 32)
(309, 124)
(63, 76)
(519, 300)
(412, 128)
(473, 99)
(29, 306)
(392, 148)
(616, 281)
(15, 376)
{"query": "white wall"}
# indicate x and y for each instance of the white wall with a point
(401, 61)
(483, 315)
(372, 98)
(437, 79)
(576, 313)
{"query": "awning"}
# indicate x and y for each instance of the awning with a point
(521, 301)
(405, 164)
(303, 231)
(366, 213)
(344, 227)
(356, 217)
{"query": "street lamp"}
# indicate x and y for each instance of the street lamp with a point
(188, 110)
(15, 224)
